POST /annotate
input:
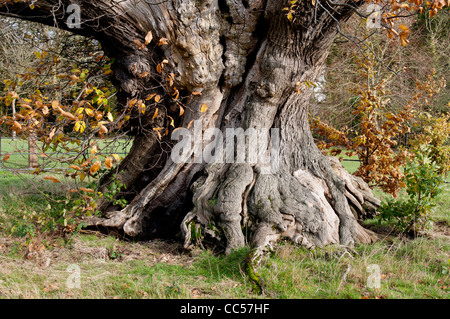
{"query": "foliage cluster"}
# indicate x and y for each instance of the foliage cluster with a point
(376, 136)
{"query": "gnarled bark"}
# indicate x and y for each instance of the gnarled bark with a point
(246, 59)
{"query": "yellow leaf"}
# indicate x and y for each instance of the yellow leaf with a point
(79, 111)
(157, 98)
(82, 176)
(181, 110)
(89, 112)
(75, 167)
(156, 114)
(172, 122)
(108, 162)
(116, 157)
(142, 108)
(80, 126)
(159, 68)
(290, 16)
(204, 107)
(53, 179)
(95, 167)
(150, 96)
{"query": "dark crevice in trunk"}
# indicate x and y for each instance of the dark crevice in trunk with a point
(223, 43)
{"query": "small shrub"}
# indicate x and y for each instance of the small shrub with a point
(423, 185)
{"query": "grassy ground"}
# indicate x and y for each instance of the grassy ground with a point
(89, 265)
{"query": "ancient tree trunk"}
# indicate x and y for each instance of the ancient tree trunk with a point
(249, 62)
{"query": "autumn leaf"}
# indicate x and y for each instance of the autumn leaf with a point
(103, 130)
(89, 112)
(139, 44)
(87, 190)
(110, 117)
(16, 126)
(80, 126)
(142, 107)
(109, 162)
(132, 102)
(157, 129)
(156, 114)
(403, 41)
(144, 75)
(176, 94)
(171, 78)
(150, 96)
(45, 110)
(53, 179)
(6, 157)
(172, 122)
(95, 167)
(203, 108)
(148, 38)
(98, 115)
(162, 41)
(55, 105)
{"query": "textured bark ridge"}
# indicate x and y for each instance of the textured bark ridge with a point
(246, 59)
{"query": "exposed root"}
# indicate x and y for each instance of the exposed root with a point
(309, 210)
(251, 262)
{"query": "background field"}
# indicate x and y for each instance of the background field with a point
(37, 266)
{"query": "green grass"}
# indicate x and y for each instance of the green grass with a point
(351, 164)
(110, 268)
